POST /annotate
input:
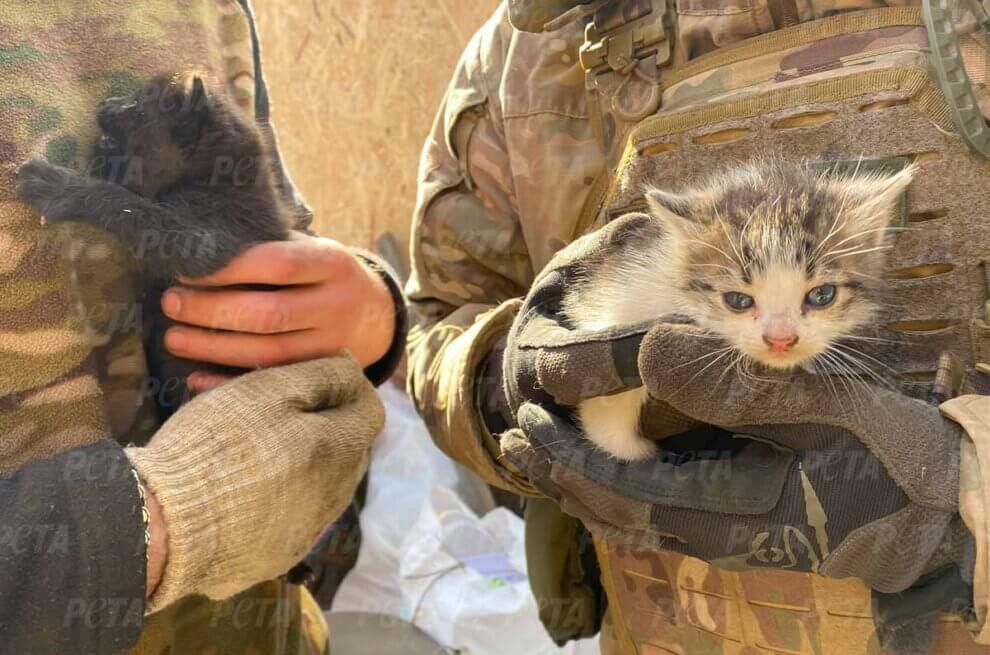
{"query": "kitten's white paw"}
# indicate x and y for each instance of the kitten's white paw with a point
(631, 449)
(612, 424)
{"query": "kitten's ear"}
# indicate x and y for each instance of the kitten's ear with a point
(198, 98)
(871, 200)
(197, 113)
(672, 209)
(876, 196)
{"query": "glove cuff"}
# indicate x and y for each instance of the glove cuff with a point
(233, 511)
(191, 535)
(460, 382)
(200, 508)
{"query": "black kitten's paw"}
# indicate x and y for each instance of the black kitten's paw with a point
(44, 186)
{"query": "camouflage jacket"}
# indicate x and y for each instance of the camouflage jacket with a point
(515, 154)
(505, 178)
(72, 366)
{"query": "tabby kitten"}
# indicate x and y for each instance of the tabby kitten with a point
(184, 180)
(779, 260)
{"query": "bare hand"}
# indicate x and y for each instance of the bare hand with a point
(158, 547)
(327, 301)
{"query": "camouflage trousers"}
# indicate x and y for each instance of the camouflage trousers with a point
(273, 618)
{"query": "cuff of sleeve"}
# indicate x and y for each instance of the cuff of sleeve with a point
(382, 370)
(79, 586)
(476, 447)
(972, 412)
(490, 397)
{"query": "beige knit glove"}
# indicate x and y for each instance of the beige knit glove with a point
(250, 473)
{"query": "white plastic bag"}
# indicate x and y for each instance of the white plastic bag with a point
(463, 580)
(427, 557)
(405, 465)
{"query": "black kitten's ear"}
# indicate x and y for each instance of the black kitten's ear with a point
(197, 113)
(198, 98)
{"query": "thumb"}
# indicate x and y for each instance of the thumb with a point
(597, 365)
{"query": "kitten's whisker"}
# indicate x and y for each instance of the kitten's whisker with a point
(703, 357)
(859, 248)
(745, 228)
(832, 256)
(843, 363)
(746, 375)
(871, 390)
(848, 380)
(833, 230)
(722, 223)
(869, 277)
(741, 373)
(834, 371)
(873, 339)
(699, 373)
(861, 233)
(867, 387)
(715, 248)
(855, 252)
(831, 384)
(727, 369)
(720, 266)
(856, 352)
(759, 378)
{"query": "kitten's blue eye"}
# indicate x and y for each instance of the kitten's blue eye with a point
(822, 296)
(737, 302)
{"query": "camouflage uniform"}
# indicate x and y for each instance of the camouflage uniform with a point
(519, 163)
(72, 366)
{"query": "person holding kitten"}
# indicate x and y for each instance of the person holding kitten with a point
(747, 403)
(167, 537)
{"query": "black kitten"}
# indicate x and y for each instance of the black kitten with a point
(184, 181)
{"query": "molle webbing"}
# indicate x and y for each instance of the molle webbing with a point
(662, 602)
(830, 47)
(937, 287)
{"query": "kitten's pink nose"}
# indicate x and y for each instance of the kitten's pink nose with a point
(780, 343)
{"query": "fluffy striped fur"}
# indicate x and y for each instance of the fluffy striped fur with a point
(773, 230)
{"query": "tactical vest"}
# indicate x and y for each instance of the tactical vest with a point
(890, 85)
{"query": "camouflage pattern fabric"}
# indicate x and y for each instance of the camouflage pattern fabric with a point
(72, 366)
(532, 15)
(512, 171)
(699, 609)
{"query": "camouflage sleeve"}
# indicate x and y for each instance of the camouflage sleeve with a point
(382, 370)
(470, 264)
(72, 557)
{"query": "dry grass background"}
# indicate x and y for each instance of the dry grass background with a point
(354, 88)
